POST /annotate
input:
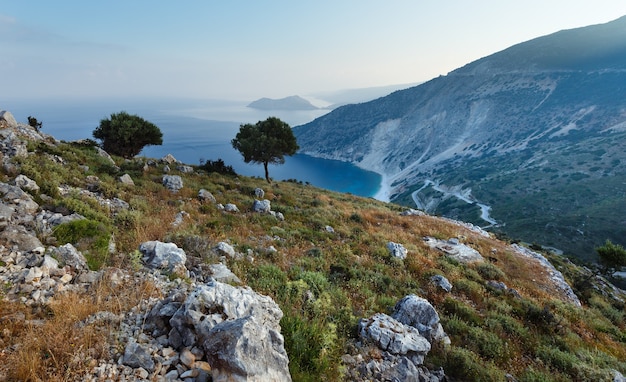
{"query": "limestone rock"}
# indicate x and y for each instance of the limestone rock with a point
(224, 248)
(441, 282)
(262, 206)
(185, 169)
(68, 255)
(127, 180)
(169, 159)
(206, 196)
(221, 273)
(25, 183)
(259, 193)
(172, 182)
(417, 312)
(231, 208)
(105, 155)
(454, 249)
(8, 118)
(397, 250)
(395, 337)
(138, 356)
(164, 256)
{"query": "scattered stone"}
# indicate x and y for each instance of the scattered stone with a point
(25, 183)
(169, 159)
(231, 208)
(7, 117)
(105, 155)
(221, 273)
(173, 182)
(441, 282)
(259, 193)
(164, 256)
(329, 229)
(262, 206)
(185, 169)
(397, 250)
(68, 255)
(206, 196)
(224, 248)
(412, 212)
(127, 180)
(138, 356)
(454, 249)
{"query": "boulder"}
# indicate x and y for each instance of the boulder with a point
(259, 193)
(454, 249)
(238, 329)
(138, 356)
(25, 183)
(223, 248)
(395, 337)
(105, 155)
(230, 207)
(169, 159)
(127, 180)
(221, 273)
(262, 206)
(164, 256)
(206, 196)
(441, 282)
(185, 169)
(19, 237)
(67, 255)
(418, 313)
(8, 118)
(397, 250)
(172, 182)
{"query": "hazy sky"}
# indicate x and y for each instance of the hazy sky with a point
(237, 49)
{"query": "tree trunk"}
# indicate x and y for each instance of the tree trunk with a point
(267, 174)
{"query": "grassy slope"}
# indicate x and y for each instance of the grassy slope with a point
(324, 282)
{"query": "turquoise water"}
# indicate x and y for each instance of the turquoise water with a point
(199, 130)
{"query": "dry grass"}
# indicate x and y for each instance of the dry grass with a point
(53, 345)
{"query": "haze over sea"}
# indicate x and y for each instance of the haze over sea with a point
(196, 130)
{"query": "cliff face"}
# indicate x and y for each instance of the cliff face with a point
(540, 120)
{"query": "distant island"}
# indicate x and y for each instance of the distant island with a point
(288, 103)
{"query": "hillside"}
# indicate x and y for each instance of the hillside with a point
(83, 296)
(533, 133)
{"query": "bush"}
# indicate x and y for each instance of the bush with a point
(217, 166)
(89, 236)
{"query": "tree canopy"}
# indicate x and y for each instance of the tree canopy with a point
(126, 135)
(265, 142)
(612, 256)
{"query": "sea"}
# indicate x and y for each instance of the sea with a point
(195, 131)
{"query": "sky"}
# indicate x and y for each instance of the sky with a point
(240, 49)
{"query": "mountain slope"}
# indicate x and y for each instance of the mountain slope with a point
(532, 135)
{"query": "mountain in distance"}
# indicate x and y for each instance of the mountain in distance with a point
(530, 141)
(347, 96)
(288, 103)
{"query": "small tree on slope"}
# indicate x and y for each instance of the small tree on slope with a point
(126, 135)
(265, 142)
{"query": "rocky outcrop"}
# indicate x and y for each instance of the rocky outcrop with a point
(397, 250)
(454, 249)
(236, 329)
(401, 342)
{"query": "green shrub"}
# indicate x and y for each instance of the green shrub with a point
(532, 375)
(268, 279)
(316, 281)
(89, 236)
(489, 271)
(461, 310)
(467, 366)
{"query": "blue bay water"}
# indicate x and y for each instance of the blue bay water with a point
(198, 130)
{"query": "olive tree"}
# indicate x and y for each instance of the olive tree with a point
(265, 142)
(126, 135)
(612, 256)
